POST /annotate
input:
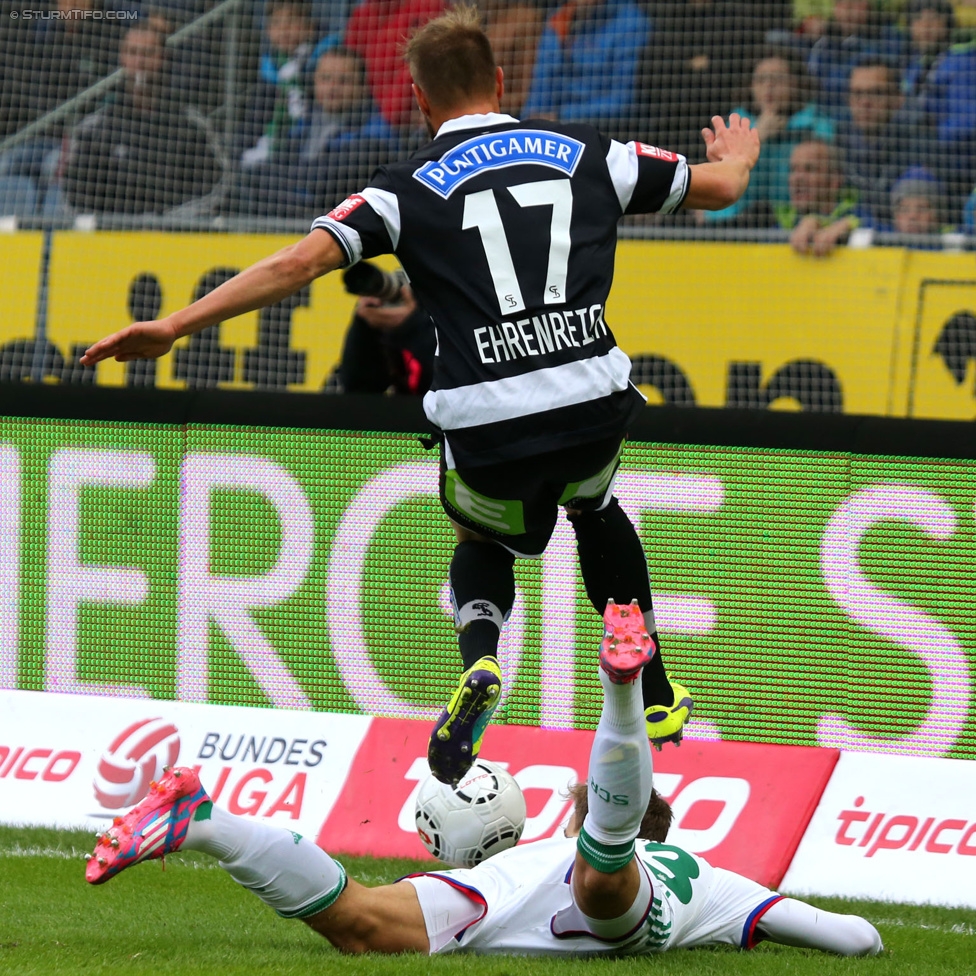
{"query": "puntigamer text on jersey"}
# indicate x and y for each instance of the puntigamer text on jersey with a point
(495, 150)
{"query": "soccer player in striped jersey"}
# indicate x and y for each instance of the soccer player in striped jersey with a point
(507, 231)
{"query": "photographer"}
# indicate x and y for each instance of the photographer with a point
(389, 347)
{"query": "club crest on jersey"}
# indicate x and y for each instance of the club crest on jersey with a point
(643, 149)
(494, 150)
(346, 207)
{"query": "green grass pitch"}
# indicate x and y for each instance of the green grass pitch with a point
(192, 918)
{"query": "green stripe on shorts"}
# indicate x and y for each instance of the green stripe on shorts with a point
(506, 516)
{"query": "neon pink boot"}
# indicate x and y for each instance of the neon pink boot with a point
(154, 828)
(627, 646)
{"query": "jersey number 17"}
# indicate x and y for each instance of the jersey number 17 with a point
(481, 212)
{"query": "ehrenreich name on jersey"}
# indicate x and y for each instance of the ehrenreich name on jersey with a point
(540, 334)
(507, 231)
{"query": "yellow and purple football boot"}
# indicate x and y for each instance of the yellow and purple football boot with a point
(456, 740)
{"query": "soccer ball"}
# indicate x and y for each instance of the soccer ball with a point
(482, 815)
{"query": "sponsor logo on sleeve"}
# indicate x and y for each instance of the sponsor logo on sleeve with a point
(346, 207)
(643, 149)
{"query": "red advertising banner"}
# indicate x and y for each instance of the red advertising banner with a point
(743, 806)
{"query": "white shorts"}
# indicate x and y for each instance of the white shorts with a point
(448, 909)
(725, 910)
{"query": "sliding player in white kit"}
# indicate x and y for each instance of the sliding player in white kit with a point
(597, 891)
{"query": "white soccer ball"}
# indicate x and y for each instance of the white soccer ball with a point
(482, 815)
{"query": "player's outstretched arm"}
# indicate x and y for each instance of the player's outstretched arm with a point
(270, 280)
(732, 151)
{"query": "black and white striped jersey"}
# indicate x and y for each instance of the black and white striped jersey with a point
(507, 231)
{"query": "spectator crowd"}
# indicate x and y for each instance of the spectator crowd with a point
(866, 108)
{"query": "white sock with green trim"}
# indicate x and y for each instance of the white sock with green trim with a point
(620, 777)
(287, 872)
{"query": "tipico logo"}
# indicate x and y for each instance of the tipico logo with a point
(134, 758)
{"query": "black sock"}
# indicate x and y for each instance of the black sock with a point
(483, 591)
(611, 558)
(614, 567)
(655, 687)
(478, 639)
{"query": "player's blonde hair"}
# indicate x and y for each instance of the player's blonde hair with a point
(451, 60)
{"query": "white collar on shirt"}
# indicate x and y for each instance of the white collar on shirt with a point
(473, 122)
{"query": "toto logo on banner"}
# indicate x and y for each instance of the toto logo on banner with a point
(134, 758)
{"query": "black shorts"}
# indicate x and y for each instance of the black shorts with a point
(516, 502)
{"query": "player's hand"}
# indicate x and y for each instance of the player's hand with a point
(737, 139)
(387, 317)
(141, 340)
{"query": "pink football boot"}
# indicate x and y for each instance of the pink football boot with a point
(154, 828)
(627, 646)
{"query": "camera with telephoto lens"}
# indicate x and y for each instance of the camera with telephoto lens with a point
(367, 279)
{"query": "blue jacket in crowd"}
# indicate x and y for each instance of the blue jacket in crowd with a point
(586, 66)
(945, 91)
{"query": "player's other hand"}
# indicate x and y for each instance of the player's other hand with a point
(737, 139)
(141, 340)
